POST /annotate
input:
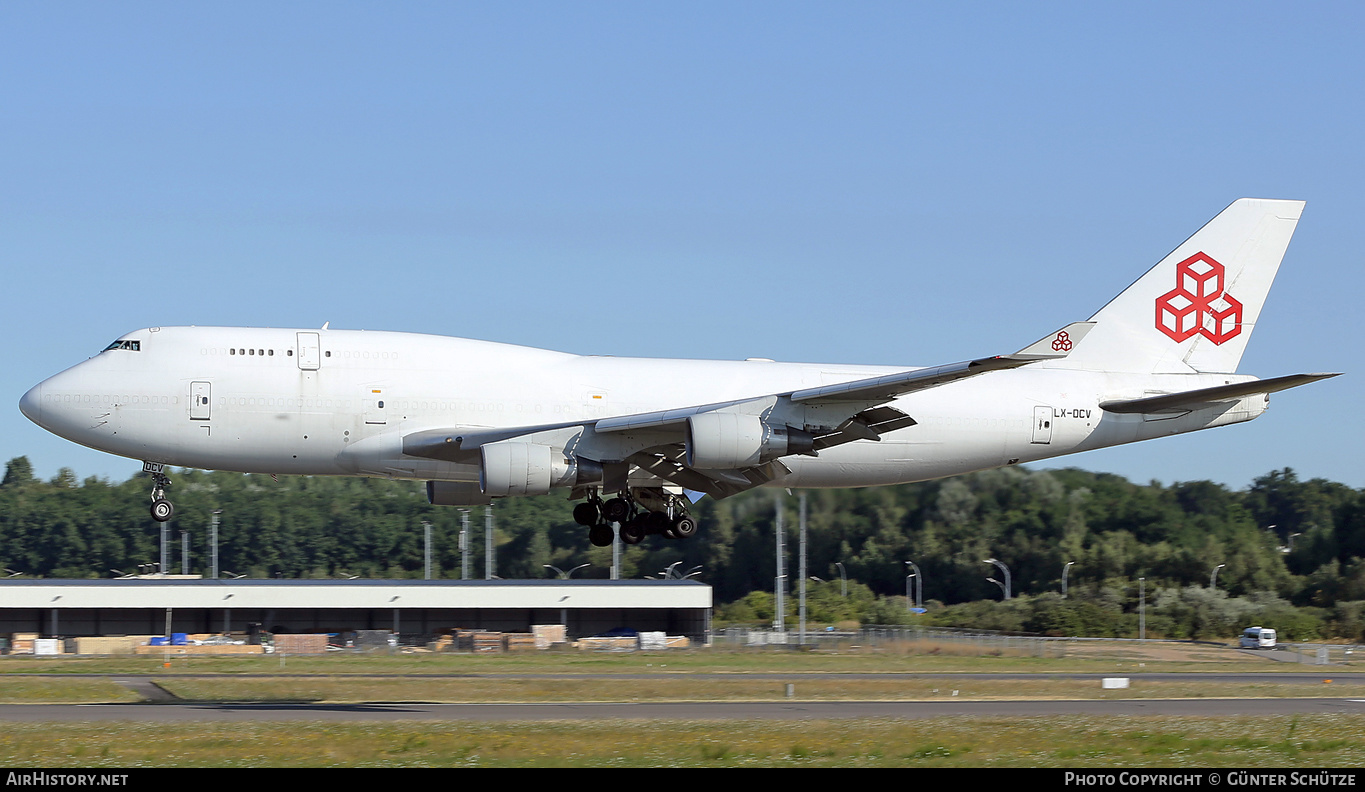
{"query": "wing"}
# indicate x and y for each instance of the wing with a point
(728, 447)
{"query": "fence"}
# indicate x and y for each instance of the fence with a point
(950, 641)
(1325, 654)
(926, 640)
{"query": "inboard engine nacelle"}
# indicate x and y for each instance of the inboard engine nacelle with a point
(509, 468)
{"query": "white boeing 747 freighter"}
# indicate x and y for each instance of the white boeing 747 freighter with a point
(636, 439)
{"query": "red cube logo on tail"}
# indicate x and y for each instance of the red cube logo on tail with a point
(1198, 304)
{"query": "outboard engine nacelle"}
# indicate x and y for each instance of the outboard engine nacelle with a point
(724, 441)
(511, 468)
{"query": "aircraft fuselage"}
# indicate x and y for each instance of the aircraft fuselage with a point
(338, 402)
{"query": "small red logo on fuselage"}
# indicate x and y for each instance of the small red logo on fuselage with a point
(1198, 305)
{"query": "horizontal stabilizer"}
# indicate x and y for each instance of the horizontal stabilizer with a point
(1190, 400)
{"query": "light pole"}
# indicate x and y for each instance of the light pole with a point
(464, 544)
(1003, 590)
(1142, 609)
(488, 570)
(779, 582)
(1006, 587)
(672, 573)
(165, 560)
(843, 580)
(1064, 571)
(426, 550)
(615, 554)
(1213, 579)
(779, 619)
(562, 574)
(919, 584)
(801, 552)
(213, 532)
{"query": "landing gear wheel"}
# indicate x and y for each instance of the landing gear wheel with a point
(616, 510)
(162, 510)
(655, 522)
(632, 533)
(585, 514)
(684, 527)
(600, 535)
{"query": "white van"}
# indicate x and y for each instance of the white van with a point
(1258, 638)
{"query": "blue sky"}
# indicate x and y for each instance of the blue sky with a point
(891, 183)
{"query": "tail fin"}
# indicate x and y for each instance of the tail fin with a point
(1194, 311)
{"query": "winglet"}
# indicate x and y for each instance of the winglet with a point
(1056, 345)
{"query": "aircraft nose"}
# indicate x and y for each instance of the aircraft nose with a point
(31, 404)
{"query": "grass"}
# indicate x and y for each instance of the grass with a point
(49, 690)
(903, 658)
(1317, 741)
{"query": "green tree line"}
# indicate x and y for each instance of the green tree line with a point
(1281, 543)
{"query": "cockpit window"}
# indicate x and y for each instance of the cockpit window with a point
(135, 346)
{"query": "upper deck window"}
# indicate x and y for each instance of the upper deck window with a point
(135, 346)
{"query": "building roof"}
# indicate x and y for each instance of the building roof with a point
(367, 593)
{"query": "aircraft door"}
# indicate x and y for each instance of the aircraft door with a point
(310, 355)
(1042, 425)
(374, 409)
(201, 401)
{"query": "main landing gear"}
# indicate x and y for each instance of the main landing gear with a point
(629, 510)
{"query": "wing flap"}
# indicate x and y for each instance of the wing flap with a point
(869, 424)
(716, 483)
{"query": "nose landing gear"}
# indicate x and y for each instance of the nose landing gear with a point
(162, 510)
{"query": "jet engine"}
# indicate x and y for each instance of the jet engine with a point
(510, 468)
(724, 441)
